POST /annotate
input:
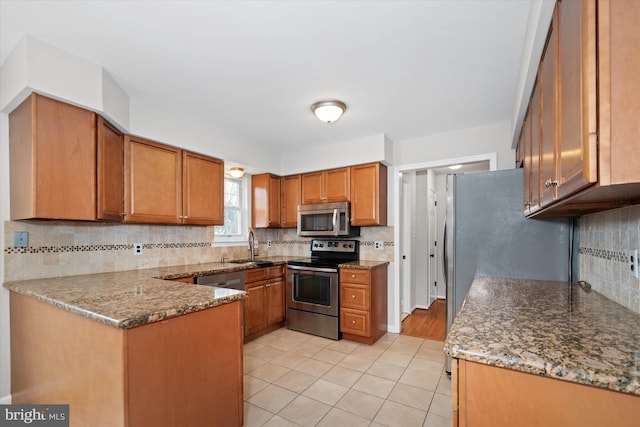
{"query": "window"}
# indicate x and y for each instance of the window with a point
(236, 212)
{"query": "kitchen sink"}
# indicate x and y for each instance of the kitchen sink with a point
(257, 263)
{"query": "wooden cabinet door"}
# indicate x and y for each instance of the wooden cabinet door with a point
(265, 201)
(110, 170)
(369, 194)
(202, 190)
(290, 199)
(534, 112)
(312, 187)
(153, 182)
(255, 316)
(548, 139)
(53, 160)
(577, 156)
(275, 302)
(526, 147)
(337, 185)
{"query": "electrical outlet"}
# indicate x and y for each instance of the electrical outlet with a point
(20, 239)
(633, 262)
(268, 243)
(255, 244)
(378, 245)
(137, 248)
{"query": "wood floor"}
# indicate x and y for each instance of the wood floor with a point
(429, 323)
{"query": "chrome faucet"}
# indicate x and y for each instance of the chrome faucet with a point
(252, 243)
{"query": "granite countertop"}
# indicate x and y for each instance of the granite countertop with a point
(133, 298)
(553, 329)
(363, 265)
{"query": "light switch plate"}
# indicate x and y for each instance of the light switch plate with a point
(20, 239)
(633, 262)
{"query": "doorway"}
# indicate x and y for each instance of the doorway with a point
(422, 208)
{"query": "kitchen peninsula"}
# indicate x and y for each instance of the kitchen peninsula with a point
(550, 353)
(129, 348)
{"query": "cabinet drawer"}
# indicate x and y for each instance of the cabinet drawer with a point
(355, 322)
(355, 276)
(355, 296)
(276, 271)
(255, 274)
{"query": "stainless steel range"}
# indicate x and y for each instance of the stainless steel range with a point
(313, 289)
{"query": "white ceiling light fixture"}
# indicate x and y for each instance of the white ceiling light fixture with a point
(455, 167)
(329, 111)
(236, 172)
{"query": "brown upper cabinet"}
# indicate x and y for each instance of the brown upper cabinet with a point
(326, 186)
(166, 185)
(590, 103)
(110, 169)
(265, 201)
(289, 201)
(369, 194)
(202, 189)
(64, 162)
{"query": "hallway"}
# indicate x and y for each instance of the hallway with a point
(427, 324)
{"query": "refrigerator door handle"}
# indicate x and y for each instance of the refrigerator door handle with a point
(445, 261)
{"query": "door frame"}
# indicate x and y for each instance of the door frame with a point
(395, 312)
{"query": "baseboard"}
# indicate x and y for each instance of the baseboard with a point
(5, 400)
(423, 307)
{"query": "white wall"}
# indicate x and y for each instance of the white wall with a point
(167, 124)
(5, 355)
(540, 13)
(441, 210)
(421, 246)
(491, 138)
(374, 148)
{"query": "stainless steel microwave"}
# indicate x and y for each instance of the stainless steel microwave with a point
(326, 220)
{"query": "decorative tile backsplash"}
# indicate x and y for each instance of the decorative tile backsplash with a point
(605, 238)
(63, 248)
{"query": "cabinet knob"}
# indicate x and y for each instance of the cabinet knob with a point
(353, 296)
(353, 276)
(353, 322)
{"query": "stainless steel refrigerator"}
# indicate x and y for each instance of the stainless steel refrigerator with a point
(486, 234)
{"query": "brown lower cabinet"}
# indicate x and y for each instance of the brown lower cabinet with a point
(363, 304)
(484, 395)
(264, 308)
(183, 371)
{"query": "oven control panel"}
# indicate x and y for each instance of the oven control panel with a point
(349, 246)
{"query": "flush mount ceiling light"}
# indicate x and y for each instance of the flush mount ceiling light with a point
(236, 172)
(329, 111)
(455, 167)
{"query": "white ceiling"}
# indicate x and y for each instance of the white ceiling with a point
(404, 68)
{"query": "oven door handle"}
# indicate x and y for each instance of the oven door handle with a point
(313, 269)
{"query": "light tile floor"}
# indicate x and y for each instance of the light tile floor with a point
(296, 379)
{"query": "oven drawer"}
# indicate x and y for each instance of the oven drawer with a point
(360, 277)
(354, 296)
(355, 322)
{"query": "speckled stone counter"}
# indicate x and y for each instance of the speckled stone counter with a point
(363, 265)
(553, 329)
(134, 298)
